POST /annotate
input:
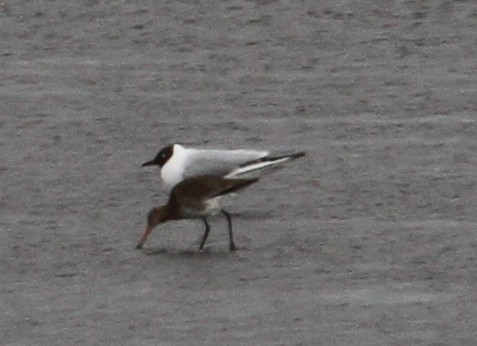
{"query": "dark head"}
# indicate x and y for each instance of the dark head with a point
(162, 157)
(155, 217)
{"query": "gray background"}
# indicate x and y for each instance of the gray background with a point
(369, 240)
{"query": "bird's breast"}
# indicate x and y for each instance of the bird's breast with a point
(173, 171)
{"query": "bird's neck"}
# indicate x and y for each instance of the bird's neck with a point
(171, 212)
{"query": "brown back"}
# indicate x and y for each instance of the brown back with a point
(204, 187)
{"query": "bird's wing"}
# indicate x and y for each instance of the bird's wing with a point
(227, 186)
(218, 162)
(200, 188)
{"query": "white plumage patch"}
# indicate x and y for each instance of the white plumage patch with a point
(255, 167)
(173, 171)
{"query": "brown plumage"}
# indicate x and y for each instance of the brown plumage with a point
(196, 197)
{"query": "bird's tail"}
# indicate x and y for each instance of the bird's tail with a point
(265, 164)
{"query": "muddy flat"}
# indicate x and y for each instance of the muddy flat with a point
(371, 239)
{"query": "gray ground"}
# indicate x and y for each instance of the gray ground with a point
(369, 240)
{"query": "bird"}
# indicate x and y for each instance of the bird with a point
(196, 197)
(199, 197)
(178, 162)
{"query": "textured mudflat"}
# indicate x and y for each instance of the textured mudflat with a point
(369, 240)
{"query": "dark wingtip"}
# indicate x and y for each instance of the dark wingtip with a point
(286, 156)
(297, 155)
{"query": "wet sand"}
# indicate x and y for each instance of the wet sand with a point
(369, 240)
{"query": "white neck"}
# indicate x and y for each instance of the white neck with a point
(173, 171)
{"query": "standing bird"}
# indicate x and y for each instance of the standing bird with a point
(196, 197)
(178, 162)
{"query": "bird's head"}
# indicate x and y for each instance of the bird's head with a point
(155, 216)
(161, 158)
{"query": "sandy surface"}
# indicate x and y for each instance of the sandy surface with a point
(370, 240)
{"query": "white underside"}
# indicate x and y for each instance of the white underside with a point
(213, 206)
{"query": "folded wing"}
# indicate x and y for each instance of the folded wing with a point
(219, 162)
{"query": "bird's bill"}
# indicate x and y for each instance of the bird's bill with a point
(144, 237)
(150, 163)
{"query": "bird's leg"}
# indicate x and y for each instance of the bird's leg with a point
(232, 246)
(206, 234)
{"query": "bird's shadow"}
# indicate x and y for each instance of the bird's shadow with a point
(191, 252)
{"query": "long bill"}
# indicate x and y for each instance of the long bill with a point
(144, 236)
